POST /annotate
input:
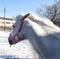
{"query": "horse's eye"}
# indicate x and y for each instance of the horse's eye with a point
(13, 26)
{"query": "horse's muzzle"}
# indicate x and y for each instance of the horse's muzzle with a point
(13, 40)
(10, 40)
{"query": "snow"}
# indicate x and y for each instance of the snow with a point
(22, 49)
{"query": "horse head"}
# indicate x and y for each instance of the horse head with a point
(17, 28)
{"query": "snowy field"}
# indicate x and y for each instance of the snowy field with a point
(20, 50)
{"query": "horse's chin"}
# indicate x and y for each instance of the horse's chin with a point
(10, 40)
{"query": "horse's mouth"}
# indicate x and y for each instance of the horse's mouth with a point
(10, 40)
(15, 40)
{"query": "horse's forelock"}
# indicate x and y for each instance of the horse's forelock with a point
(21, 16)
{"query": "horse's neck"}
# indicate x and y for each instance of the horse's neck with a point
(37, 36)
(33, 34)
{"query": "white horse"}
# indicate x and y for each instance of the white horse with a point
(41, 32)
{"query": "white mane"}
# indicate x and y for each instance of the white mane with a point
(44, 20)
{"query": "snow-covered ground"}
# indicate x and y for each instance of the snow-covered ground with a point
(22, 49)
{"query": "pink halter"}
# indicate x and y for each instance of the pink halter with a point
(19, 29)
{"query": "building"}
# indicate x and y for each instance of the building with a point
(7, 21)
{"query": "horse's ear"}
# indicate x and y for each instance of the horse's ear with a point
(25, 16)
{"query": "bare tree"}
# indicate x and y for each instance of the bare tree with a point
(52, 12)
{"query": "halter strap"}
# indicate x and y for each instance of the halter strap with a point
(20, 27)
